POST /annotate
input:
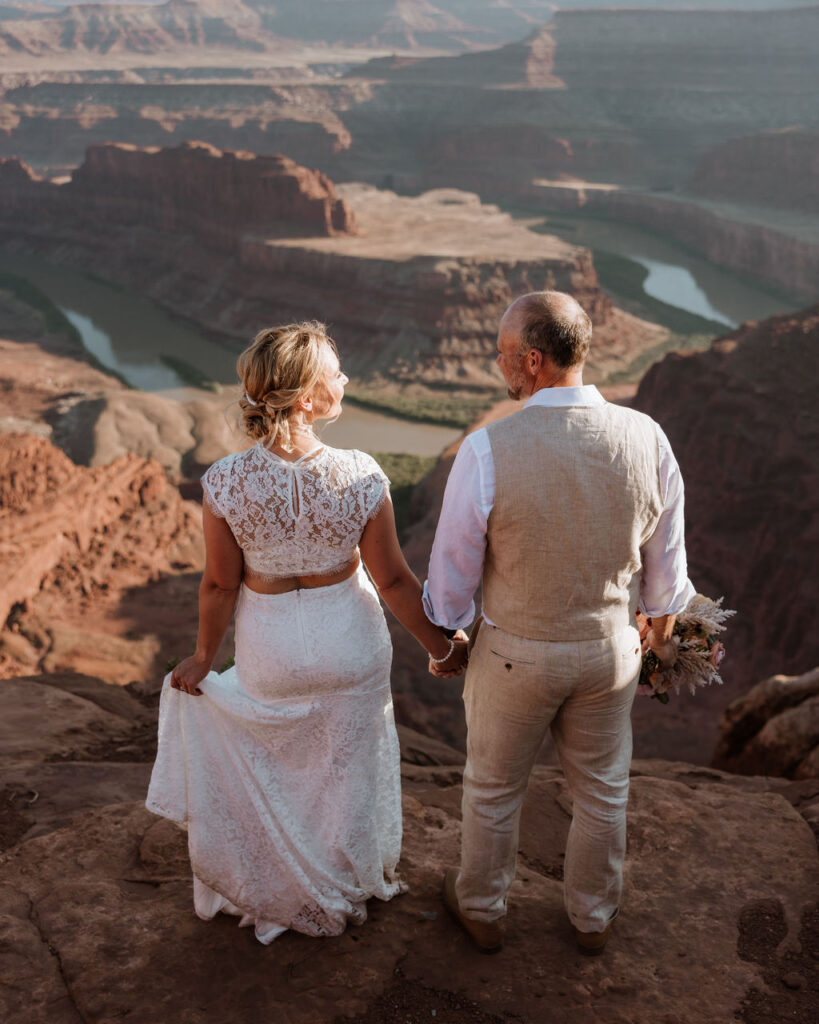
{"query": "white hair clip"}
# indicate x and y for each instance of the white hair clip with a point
(249, 399)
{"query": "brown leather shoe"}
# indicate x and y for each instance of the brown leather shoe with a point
(593, 943)
(487, 935)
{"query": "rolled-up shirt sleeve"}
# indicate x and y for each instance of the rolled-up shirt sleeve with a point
(456, 562)
(665, 588)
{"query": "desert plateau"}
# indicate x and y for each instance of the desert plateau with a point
(176, 176)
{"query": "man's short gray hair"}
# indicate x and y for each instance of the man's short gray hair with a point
(555, 324)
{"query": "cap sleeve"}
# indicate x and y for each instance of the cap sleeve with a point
(214, 484)
(375, 485)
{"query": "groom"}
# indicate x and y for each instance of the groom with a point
(570, 515)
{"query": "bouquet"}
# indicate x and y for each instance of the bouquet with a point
(699, 651)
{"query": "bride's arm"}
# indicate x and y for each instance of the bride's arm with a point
(398, 586)
(217, 597)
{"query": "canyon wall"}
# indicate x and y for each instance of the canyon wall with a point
(741, 418)
(742, 239)
(778, 169)
(51, 124)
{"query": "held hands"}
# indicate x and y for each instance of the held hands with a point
(456, 662)
(188, 674)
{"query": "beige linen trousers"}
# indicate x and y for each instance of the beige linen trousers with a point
(582, 691)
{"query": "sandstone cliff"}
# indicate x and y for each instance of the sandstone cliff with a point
(195, 189)
(742, 421)
(529, 62)
(779, 169)
(634, 96)
(175, 27)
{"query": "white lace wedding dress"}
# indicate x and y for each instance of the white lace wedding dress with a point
(286, 771)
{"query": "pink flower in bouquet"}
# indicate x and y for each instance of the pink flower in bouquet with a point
(717, 654)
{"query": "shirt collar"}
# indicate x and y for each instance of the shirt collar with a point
(584, 394)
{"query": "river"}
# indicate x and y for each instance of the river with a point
(130, 335)
(674, 275)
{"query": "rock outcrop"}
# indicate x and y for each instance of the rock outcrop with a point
(742, 421)
(194, 189)
(773, 729)
(90, 879)
(528, 63)
(73, 540)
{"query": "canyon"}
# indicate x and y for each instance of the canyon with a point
(567, 99)
(566, 108)
(747, 446)
(413, 286)
(144, 144)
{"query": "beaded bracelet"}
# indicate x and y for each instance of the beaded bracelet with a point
(446, 657)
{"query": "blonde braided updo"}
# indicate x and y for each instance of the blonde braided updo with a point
(281, 365)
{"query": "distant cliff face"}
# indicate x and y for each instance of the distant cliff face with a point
(771, 168)
(634, 96)
(136, 28)
(191, 188)
(743, 423)
(52, 123)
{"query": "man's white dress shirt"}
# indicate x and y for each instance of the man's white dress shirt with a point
(456, 562)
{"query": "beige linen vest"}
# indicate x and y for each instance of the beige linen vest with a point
(577, 493)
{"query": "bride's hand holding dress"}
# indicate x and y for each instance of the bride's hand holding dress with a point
(218, 591)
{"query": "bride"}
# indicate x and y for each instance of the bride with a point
(285, 768)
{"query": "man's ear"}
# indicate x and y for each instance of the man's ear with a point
(534, 361)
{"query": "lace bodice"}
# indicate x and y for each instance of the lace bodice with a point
(296, 518)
